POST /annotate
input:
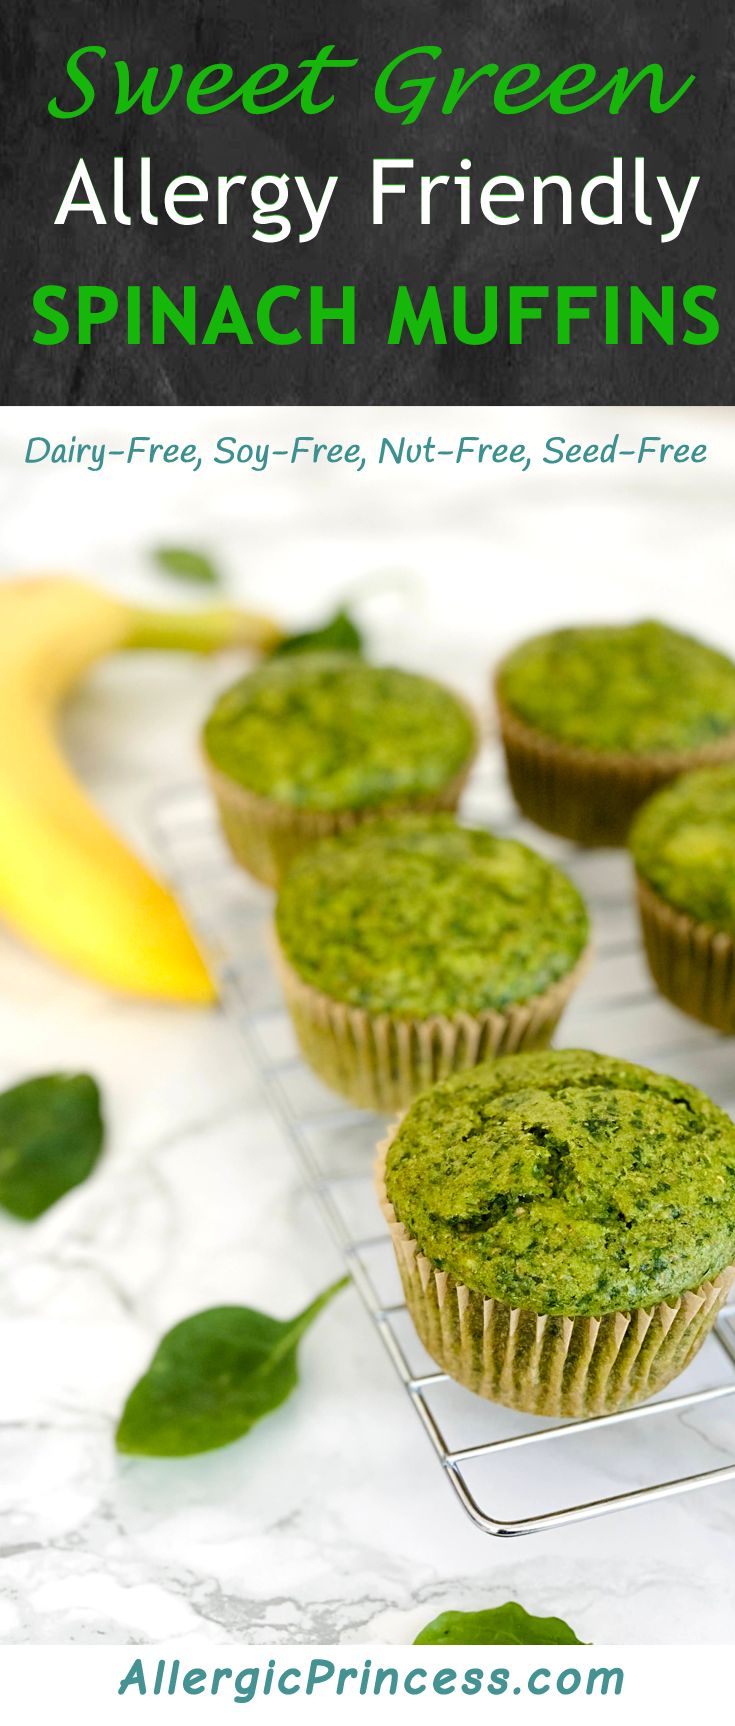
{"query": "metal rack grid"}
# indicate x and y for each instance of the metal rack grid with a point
(616, 1010)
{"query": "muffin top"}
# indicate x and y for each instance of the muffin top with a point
(419, 916)
(328, 732)
(568, 1182)
(640, 688)
(683, 844)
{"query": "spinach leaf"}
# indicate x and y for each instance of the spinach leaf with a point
(212, 1377)
(500, 1624)
(50, 1138)
(187, 564)
(339, 634)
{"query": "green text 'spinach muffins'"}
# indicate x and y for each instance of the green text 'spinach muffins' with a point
(683, 845)
(415, 947)
(596, 719)
(309, 744)
(564, 1224)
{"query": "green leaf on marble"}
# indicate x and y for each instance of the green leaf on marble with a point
(339, 634)
(506, 1625)
(51, 1134)
(187, 564)
(212, 1377)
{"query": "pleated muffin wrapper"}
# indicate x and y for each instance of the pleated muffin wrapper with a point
(382, 1061)
(265, 836)
(541, 1363)
(590, 795)
(691, 963)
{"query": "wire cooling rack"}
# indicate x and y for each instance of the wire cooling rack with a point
(513, 1474)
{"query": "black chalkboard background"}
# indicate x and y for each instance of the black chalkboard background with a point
(40, 155)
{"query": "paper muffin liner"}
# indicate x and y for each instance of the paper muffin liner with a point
(545, 1363)
(265, 836)
(691, 963)
(382, 1061)
(590, 795)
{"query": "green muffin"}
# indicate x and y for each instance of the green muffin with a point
(683, 846)
(595, 719)
(564, 1224)
(415, 947)
(312, 743)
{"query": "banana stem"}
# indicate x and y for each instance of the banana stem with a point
(203, 631)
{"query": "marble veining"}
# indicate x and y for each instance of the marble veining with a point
(331, 1521)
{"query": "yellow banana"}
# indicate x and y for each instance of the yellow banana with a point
(68, 883)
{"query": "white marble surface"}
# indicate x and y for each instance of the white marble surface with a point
(331, 1520)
